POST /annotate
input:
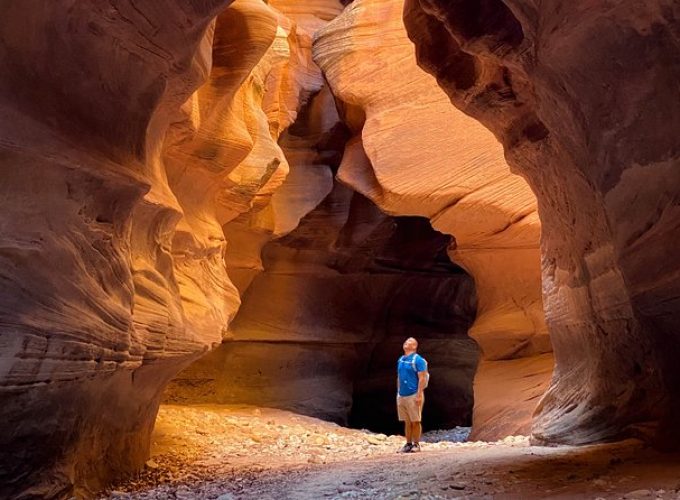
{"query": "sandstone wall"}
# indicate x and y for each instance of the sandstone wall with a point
(132, 132)
(144, 149)
(583, 96)
(413, 154)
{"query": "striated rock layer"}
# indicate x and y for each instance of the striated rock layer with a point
(308, 130)
(413, 154)
(131, 134)
(583, 96)
(92, 323)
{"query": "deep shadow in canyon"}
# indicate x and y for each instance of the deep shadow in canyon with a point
(320, 329)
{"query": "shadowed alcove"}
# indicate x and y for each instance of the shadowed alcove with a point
(320, 329)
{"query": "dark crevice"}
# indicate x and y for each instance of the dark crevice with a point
(490, 21)
(435, 44)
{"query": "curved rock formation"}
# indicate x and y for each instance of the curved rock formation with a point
(222, 159)
(299, 86)
(91, 319)
(583, 96)
(413, 154)
(117, 177)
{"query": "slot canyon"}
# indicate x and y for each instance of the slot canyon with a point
(222, 218)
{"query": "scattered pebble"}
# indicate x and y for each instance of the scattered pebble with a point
(151, 464)
(639, 494)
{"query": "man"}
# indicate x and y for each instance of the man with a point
(412, 377)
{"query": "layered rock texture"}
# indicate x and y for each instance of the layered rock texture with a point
(305, 103)
(414, 154)
(93, 323)
(132, 134)
(583, 96)
(319, 331)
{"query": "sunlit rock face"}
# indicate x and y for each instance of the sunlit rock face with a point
(304, 102)
(321, 328)
(583, 96)
(414, 154)
(132, 133)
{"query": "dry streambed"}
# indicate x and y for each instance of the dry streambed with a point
(194, 444)
(219, 452)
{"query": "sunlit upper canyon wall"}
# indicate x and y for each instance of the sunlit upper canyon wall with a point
(584, 97)
(414, 154)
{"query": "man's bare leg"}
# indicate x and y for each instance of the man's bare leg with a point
(416, 431)
(408, 430)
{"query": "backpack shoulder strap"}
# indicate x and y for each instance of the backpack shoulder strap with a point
(413, 362)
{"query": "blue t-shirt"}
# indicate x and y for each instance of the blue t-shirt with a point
(408, 378)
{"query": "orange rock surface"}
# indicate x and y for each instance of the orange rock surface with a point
(150, 151)
(414, 154)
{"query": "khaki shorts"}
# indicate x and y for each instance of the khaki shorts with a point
(408, 409)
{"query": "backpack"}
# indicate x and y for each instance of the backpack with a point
(412, 362)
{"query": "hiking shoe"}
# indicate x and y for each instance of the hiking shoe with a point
(406, 448)
(415, 447)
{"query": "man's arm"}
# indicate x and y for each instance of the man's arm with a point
(421, 386)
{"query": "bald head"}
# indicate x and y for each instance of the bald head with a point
(410, 345)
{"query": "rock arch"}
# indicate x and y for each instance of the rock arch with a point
(414, 155)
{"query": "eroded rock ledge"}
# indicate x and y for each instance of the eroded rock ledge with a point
(583, 96)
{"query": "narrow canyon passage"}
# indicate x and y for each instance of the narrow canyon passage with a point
(219, 220)
(320, 329)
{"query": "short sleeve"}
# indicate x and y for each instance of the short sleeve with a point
(421, 364)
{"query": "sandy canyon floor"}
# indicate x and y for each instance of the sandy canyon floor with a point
(219, 452)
